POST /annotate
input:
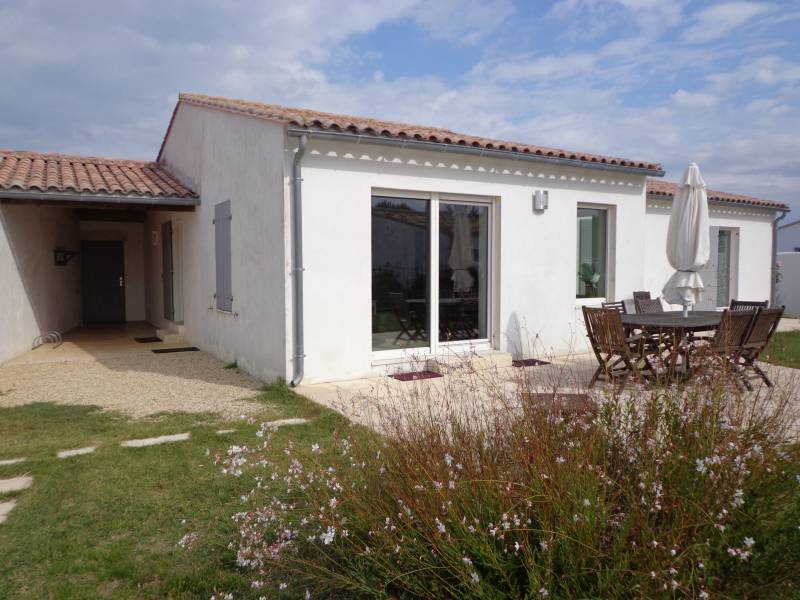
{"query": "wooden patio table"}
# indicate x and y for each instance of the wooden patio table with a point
(673, 325)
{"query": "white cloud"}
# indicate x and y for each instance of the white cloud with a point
(685, 99)
(719, 20)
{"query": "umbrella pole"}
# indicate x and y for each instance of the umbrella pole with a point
(685, 308)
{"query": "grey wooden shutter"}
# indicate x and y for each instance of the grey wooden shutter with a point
(222, 245)
(709, 274)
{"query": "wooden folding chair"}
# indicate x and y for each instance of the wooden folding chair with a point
(617, 306)
(641, 296)
(618, 356)
(729, 337)
(764, 326)
(748, 305)
(646, 306)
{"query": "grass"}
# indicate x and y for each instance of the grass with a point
(784, 349)
(106, 525)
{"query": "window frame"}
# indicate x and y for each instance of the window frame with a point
(436, 347)
(610, 258)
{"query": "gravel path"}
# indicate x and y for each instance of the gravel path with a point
(137, 384)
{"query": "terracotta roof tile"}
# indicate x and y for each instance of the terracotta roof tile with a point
(360, 125)
(36, 171)
(668, 189)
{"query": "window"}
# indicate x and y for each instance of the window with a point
(430, 272)
(222, 249)
(591, 270)
(724, 267)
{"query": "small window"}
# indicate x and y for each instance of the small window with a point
(592, 264)
(222, 248)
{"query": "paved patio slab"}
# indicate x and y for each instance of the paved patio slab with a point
(76, 452)
(6, 508)
(154, 441)
(15, 484)
(11, 461)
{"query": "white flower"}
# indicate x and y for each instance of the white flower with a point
(466, 560)
(327, 537)
(448, 460)
(333, 502)
(749, 542)
(703, 595)
(543, 593)
(474, 577)
(560, 459)
(543, 545)
(282, 586)
(315, 448)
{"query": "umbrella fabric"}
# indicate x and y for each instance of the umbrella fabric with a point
(461, 251)
(688, 243)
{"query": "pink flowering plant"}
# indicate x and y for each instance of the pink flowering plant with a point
(483, 488)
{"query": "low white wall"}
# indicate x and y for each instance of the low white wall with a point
(536, 266)
(789, 286)
(37, 296)
(241, 159)
(789, 235)
(131, 234)
(754, 263)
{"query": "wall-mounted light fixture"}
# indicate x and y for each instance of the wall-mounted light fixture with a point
(61, 257)
(541, 200)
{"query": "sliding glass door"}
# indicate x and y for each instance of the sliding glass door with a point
(430, 272)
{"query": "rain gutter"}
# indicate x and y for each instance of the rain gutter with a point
(469, 150)
(297, 262)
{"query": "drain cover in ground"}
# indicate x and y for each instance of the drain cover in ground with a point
(147, 340)
(415, 375)
(529, 362)
(168, 350)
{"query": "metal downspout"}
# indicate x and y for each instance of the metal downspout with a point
(297, 262)
(773, 284)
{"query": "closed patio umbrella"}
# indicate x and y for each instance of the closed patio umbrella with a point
(688, 243)
(460, 259)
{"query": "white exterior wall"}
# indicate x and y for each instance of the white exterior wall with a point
(753, 266)
(535, 254)
(237, 158)
(789, 237)
(789, 286)
(131, 235)
(37, 296)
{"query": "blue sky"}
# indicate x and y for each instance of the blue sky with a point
(666, 80)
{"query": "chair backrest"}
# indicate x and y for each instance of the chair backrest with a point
(397, 300)
(733, 329)
(605, 330)
(641, 296)
(764, 326)
(647, 306)
(748, 305)
(617, 306)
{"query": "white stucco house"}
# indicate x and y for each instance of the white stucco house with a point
(322, 247)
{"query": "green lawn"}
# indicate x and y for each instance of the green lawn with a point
(784, 349)
(106, 525)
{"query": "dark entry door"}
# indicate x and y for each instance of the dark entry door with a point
(166, 270)
(103, 275)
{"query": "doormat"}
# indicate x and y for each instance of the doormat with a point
(147, 340)
(168, 350)
(416, 375)
(528, 362)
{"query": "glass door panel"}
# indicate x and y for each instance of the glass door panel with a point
(401, 238)
(463, 271)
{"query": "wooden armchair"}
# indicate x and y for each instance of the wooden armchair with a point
(647, 306)
(748, 305)
(618, 356)
(616, 306)
(729, 337)
(764, 326)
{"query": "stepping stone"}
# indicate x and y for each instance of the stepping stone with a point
(76, 452)
(154, 441)
(225, 431)
(15, 484)
(6, 508)
(282, 422)
(11, 461)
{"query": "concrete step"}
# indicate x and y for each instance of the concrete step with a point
(482, 360)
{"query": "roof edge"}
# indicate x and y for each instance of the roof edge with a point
(472, 150)
(753, 203)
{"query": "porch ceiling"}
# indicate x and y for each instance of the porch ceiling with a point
(80, 181)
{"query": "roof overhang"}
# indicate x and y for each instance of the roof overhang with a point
(728, 203)
(357, 138)
(98, 200)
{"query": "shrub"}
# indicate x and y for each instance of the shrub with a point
(485, 488)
